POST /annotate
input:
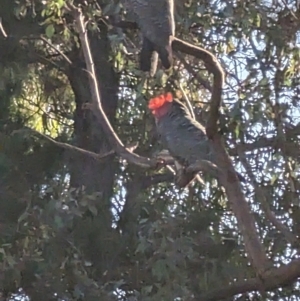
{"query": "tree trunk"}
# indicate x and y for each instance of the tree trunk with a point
(95, 232)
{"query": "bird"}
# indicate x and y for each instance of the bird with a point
(155, 19)
(181, 134)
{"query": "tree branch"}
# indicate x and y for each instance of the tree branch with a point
(190, 69)
(51, 46)
(213, 66)
(70, 147)
(274, 278)
(95, 105)
(188, 103)
(209, 167)
(238, 203)
(2, 29)
(228, 176)
(128, 221)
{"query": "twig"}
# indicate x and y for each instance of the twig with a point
(96, 106)
(290, 10)
(2, 29)
(189, 68)
(187, 101)
(67, 146)
(52, 46)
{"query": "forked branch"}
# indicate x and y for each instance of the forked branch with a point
(228, 176)
(96, 105)
(274, 277)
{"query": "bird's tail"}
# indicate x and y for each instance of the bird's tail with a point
(148, 57)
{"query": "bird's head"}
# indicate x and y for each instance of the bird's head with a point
(160, 105)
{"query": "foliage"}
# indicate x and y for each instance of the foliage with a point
(76, 229)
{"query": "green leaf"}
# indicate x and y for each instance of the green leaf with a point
(50, 30)
(263, 82)
(23, 216)
(147, 289)
(10, 260)
(58, 221)
(93, 210)
(160, 270)
(142, 246)
(60, 3)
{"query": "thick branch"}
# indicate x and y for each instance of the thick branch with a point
(213, 66)
(129, 216)
(201, 165)
(240, 207)
(209, 167)
(228, 176)
(273, 279)
(96, 106)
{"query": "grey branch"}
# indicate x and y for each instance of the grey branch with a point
(96, 105)
(70, 147)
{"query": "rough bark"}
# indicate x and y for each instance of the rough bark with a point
(85, 171)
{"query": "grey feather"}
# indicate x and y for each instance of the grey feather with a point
(183, 136)
(155, 19)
